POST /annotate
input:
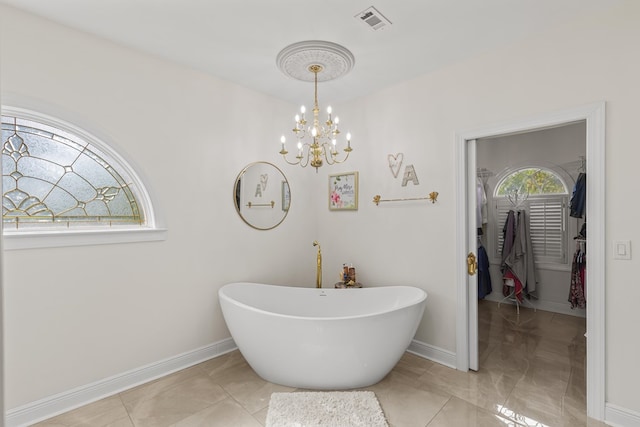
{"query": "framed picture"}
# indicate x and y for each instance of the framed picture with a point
(343, 191)
(286, 196)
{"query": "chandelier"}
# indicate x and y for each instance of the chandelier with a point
(316, 139)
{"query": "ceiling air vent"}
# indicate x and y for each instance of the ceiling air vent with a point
(374, 19)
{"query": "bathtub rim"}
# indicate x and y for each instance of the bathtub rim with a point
(235, 302)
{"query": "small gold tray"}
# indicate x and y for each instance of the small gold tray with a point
(342, 285)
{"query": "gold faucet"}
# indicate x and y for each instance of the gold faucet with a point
(319, 266)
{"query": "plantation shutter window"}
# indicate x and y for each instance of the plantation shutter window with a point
(548, 225)
(545, 202)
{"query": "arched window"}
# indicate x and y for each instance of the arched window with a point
(531, 181)
(57, 177)
(544, 195)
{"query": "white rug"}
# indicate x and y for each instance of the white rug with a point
(325, 409)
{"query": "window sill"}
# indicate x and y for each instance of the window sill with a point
(57, 239)
(553, 267)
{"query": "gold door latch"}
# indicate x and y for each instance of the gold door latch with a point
(472, 264)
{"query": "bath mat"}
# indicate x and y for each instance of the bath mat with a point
(325, 409)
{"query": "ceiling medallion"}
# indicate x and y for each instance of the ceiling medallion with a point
(314, 61)
(295, 60)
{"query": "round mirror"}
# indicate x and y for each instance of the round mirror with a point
(261, 195)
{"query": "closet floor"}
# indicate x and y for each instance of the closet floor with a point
(532, 373)
(540, 358)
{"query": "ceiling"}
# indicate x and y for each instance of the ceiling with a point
(238, 40)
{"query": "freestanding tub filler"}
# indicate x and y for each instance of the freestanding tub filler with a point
(325, 339)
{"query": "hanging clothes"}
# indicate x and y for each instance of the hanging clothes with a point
(576, 291)
(578, 198)
(508, 235)
(484, 278)
(518, 265)
(481, 201)
(521, 261)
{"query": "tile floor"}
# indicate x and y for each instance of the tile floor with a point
(532, 373)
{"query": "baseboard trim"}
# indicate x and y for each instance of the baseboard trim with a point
(51, 406)
(544, 305)
(431, 352)
(622, 417)
(614, 415)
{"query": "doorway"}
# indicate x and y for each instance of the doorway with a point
(466, 324)
(535, 173)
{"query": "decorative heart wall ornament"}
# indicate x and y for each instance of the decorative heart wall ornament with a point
(395, 163)
(263, 180)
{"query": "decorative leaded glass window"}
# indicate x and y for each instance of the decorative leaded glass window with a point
(531, 181)
(543, 194)
(55, 178)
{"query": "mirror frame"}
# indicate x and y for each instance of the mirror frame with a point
(236, 189)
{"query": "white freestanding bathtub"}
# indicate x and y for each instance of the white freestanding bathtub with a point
(322, 338)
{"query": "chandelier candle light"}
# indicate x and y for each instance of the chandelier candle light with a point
(316, 141)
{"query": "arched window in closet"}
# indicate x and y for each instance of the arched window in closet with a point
(544, 195)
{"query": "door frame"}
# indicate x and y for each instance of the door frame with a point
(594, 115)
(471, 285)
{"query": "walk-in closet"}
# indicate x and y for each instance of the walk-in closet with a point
(532, 238)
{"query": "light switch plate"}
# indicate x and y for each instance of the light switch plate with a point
(622, 249)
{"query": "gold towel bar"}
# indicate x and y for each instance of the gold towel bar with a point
(433, 197)
(272, 204)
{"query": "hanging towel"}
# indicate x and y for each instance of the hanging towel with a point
(519, 262)
(509, 235)
(512, 281)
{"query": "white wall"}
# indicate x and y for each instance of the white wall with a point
(144, 302)
(588, 60)
(88, 313)
(558, 148)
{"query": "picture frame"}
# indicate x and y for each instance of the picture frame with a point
(343, 191)
(286, 196)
